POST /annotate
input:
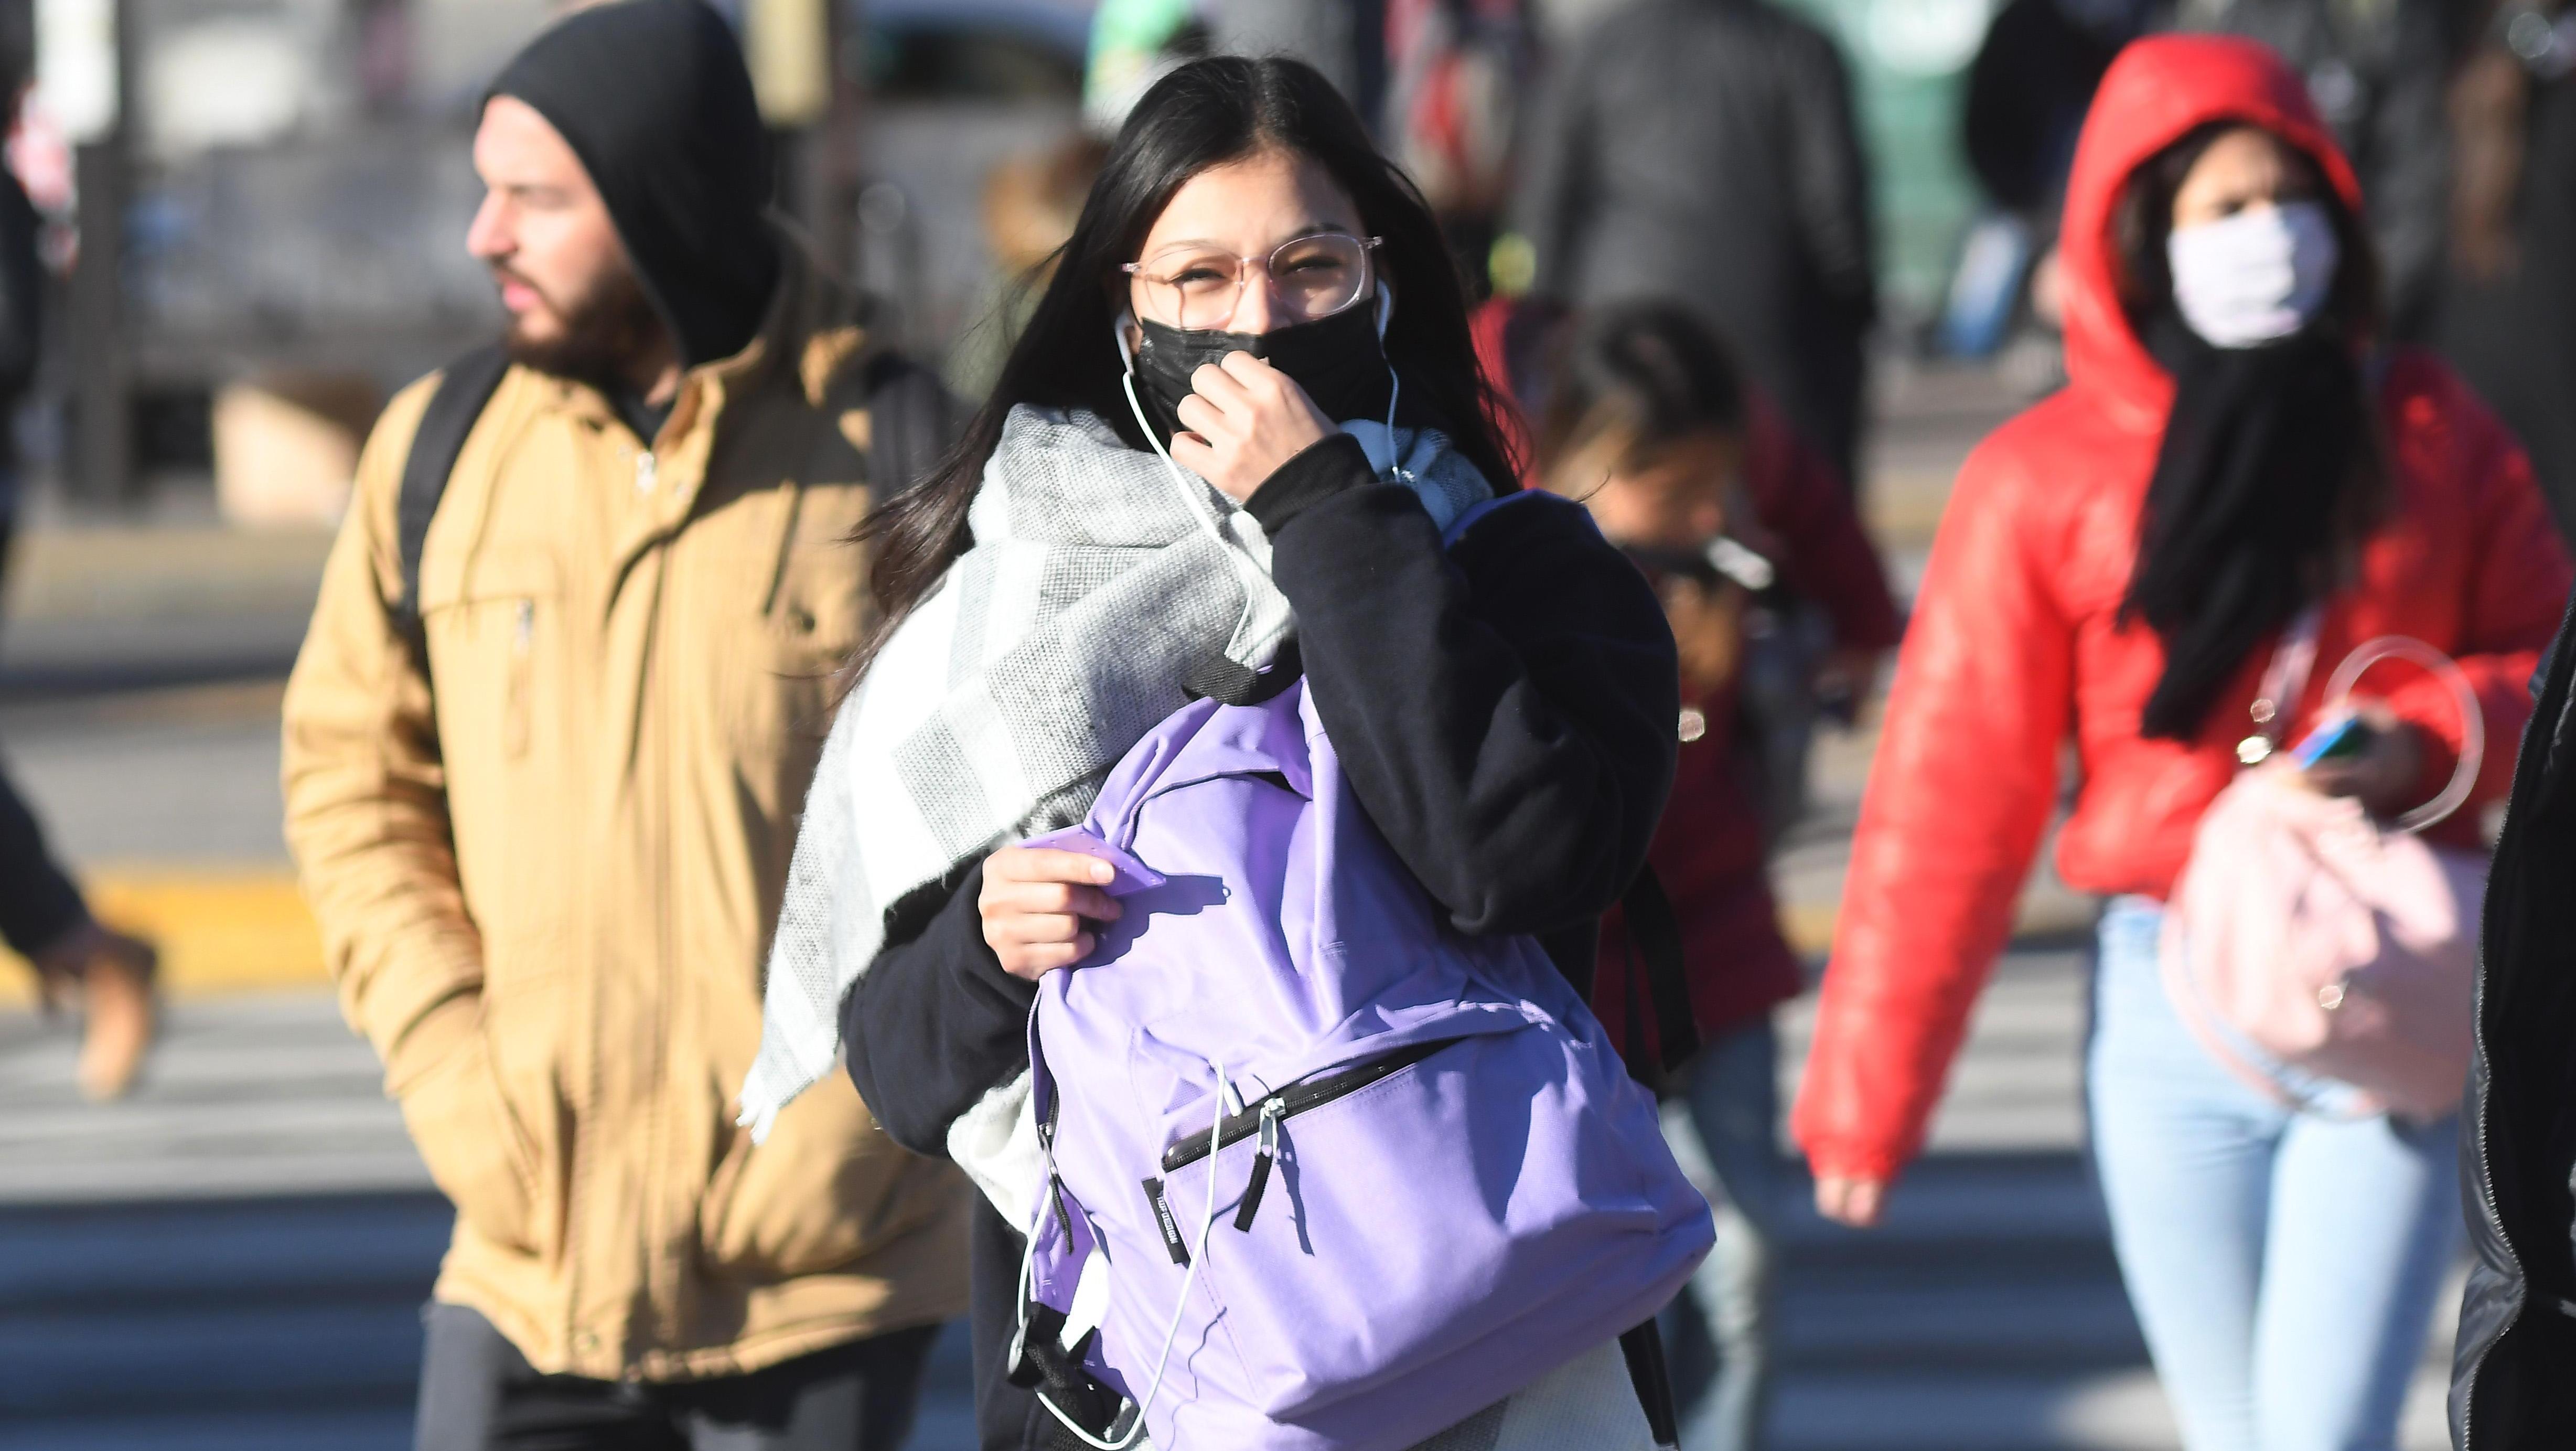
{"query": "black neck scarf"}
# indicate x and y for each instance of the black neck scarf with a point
(2241, 521)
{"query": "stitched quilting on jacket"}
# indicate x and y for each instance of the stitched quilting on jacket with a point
(2015, 649)
(547, 867)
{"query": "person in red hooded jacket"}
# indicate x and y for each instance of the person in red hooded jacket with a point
(2115, 569)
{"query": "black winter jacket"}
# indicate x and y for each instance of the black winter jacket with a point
(1505, 711)
(2513, 1385)
(1706, 151)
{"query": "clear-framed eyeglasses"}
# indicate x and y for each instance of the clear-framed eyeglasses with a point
(1313, 276)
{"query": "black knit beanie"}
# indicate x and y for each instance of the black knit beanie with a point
(655, 100)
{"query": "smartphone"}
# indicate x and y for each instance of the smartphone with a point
(2332, 740)
(1133, 876)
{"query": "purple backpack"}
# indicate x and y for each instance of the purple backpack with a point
(1432, 1179)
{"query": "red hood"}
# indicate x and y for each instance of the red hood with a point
(2153, 95)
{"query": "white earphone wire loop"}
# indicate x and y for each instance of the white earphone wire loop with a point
(1192, 496)
(2473, 718)
(1180, 1305)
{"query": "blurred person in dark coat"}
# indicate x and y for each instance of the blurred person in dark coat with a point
(1706, 151)
(2028, 90)
(2509, 321)
(2376, 70)
(42, 916)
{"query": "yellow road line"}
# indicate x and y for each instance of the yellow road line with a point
(220, 930)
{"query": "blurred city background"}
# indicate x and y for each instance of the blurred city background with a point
(253, 220)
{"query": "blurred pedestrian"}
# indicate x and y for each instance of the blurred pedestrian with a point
(2509, 313)
(2376, 71)
(2028, 90)
(44, 920)
(2237, 453)
(1706, 151)
(544, 750)
(1256, 296)
(1135, 43)
(1030, 203)
(1650, 425)
(42, 916)
(1458, 75)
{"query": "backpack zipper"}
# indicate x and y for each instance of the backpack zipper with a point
(1263, 1118)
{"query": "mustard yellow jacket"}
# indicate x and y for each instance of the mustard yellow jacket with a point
(546, 864)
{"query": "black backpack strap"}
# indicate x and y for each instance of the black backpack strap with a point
(463, 389)
(911, 423)
(1644, 1348)
(1657, 936)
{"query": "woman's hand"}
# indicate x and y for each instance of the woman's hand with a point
(1708, 632)
(1852, 1201)
(1246, 419)
(2383, 772)
(1038, 904)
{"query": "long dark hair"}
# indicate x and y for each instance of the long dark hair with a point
(2271, 467)
(1204, 114)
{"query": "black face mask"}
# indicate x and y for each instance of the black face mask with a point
(1336, 359)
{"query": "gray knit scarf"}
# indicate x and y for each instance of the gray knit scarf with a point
(1098, 578)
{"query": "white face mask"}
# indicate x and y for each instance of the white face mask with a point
(2256, 276)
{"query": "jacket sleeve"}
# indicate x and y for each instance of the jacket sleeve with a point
(1958, 796)
(1831, 187)
(935, 1023)
(1830, 559)
(1504, 709)
(366, 819)
(1550, 200)
(2517, 580)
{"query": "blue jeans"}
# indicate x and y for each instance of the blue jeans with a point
(2283, 1266)
(1722, 1128)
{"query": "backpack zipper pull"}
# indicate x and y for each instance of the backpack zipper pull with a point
(1262, 1157)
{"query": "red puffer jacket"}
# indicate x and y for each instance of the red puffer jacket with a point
(2014, 647)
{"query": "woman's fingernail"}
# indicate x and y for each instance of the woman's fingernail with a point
(1102, 871)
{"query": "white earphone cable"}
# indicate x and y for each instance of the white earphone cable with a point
(1180, 1307)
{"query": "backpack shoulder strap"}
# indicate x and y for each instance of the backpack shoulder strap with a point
(1644, 1349)
(1656, 935)
(463, 389)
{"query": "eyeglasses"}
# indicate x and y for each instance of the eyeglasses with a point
(1312, 276)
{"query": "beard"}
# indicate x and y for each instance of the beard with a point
(603, 335)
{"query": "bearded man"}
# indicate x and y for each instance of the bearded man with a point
(545, 746)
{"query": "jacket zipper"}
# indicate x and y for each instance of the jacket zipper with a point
(523, 639)
(1296, 1099)
(2486, 1184)
(1262, 1119)
(2478, 1035)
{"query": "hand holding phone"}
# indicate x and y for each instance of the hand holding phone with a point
(2338, 737)
(2368, 753)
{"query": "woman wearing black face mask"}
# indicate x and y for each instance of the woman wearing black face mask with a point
(1225, 451)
